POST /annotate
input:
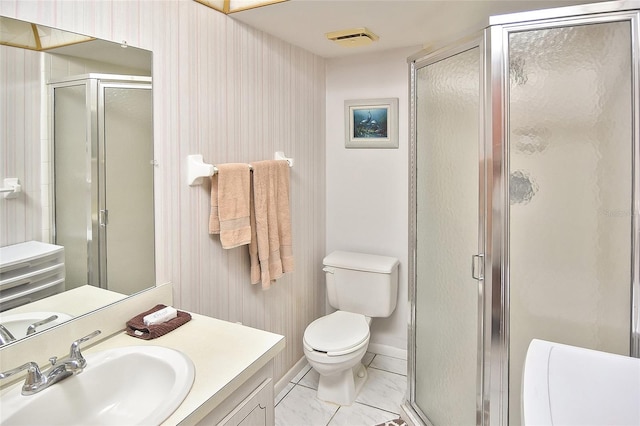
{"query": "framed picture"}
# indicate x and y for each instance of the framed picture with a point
(371, 123)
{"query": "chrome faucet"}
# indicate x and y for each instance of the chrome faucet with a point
(5, 336)
(32, 328)
(37, 380)
(75, 362)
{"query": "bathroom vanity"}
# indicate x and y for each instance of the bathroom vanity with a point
(233, 382)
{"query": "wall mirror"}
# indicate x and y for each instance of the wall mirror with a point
(76, 131)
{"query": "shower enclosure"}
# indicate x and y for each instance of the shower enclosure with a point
(525, 190)
(103, 180)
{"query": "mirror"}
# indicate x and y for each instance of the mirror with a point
(77, 134)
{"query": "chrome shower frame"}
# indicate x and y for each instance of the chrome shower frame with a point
(93, 85)
(492, 397)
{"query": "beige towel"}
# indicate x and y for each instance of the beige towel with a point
(230, 202)
(270, 249)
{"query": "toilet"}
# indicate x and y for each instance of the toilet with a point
(361, 287)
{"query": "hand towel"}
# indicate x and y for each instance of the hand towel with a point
(137, 328)
(230, 193)
(270, 249)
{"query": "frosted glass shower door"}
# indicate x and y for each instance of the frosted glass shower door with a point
(72, 179)
(447, 212)
(570, 190)
(103, 180)
(126, 139)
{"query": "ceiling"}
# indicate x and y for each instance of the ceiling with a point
(398, 23)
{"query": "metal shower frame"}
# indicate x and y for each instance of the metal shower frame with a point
(94, 85)
(492, 397)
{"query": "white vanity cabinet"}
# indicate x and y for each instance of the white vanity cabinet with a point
(256, 410)
(30, 271)
(234, 371)
(251, 404)
(234, 368)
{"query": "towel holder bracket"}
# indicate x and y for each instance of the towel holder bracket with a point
(197, 169)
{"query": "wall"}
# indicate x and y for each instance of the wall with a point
(233, 94)
(20, 218)
(367, 189)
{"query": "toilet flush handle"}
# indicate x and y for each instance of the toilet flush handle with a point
(328, 270)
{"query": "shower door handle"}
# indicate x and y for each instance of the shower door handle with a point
(104, 218)
(477, 266)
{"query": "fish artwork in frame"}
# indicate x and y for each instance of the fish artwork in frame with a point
(371, 123)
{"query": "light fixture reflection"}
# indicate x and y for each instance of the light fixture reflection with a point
(231, 6)
(35, 37)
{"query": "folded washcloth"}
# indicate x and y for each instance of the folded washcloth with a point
(230, 192)
(158, 317)
(270, 248)
(137, 328)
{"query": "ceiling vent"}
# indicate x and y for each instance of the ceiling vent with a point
(353, 38)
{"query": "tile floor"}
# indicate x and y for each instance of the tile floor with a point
(378, 401)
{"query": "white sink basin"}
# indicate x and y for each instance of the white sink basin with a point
(136, 385)
(17, 324)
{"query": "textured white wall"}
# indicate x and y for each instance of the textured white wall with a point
(20, 218)
(233, 94)
(367, 189)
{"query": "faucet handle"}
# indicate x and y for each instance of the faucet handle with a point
(32, 328)
(75, 356)
(5, 336)
(34, 377)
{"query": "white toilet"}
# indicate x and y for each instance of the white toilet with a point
(360, 286)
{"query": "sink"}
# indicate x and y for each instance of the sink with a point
(17, 324)
(134, 385)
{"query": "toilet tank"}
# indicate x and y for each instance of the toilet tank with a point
(361, 283)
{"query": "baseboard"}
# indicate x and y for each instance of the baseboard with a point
(391, 351)
(289, 375)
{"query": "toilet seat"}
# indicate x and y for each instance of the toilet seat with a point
(337, 334)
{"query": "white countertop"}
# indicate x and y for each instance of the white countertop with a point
(225, 356)
(74, 302)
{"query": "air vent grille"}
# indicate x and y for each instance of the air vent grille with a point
(353, 37)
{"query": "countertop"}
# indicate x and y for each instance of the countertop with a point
(74, 302)
(225, 355)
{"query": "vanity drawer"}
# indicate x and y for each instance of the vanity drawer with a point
(34, 264)
(31, 254)
(30, 271)
(28, 275)
(18, 296)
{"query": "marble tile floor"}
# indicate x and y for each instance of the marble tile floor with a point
(378, 401)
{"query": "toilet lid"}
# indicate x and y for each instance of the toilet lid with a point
(337, 332)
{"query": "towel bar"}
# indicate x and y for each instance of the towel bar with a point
(197, 168)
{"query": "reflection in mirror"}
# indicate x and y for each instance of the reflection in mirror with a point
(76, 131)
